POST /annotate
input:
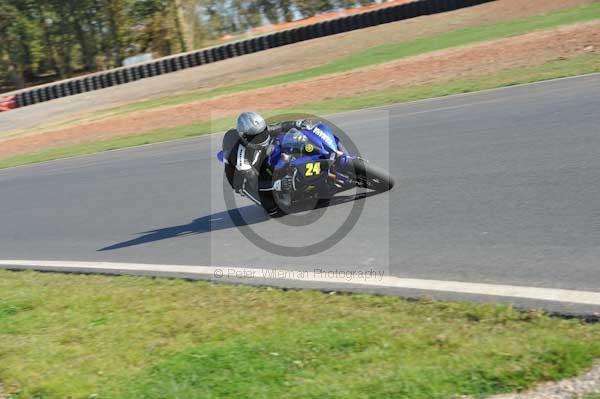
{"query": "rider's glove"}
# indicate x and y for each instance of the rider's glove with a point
(242, 176)
(304, 124)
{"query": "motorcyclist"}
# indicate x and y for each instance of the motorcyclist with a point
(245, 148)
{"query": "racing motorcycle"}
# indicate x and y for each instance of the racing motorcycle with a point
(309, 166)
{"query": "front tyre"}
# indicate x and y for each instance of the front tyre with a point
(371, 177)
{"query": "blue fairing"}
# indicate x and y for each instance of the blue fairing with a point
(321, 135)
(319, 139)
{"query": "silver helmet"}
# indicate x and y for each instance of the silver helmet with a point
(250, 124)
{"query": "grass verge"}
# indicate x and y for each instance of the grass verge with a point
(122, 337)
(555, 69)
(386, 53)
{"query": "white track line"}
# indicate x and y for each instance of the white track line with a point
(372, 280)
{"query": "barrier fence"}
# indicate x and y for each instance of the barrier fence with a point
(177, 62)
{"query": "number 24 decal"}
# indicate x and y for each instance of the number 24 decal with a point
(313, 168)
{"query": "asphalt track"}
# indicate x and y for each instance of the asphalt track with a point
(500, 187)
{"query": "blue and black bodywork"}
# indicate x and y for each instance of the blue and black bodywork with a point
(317, 165)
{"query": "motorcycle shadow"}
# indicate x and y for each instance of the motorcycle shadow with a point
(247, 215)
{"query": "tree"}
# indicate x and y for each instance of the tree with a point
(19, 45)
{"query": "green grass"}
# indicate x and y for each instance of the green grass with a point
(555, 69)
(385, 53)
(133, 337)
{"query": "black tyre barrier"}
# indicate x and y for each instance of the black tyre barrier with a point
(318, 29)
(150, 69)
(102, 81)
(19, 100)
(364, 20)
(283, 38)
(196, 58)
(24, 99)
(43, 94)
(178, 63)
(245, 47)
(335, 27)
(184, 60)
(73, 87)
(87, 83)
(355, 22)
(161, 67)
(215, 55)
(111, 79)
(225, 51)
(441, 5)
(50, 93)
(301, 34)
(228, 51)
(231, 51)
(68, 88)
(221, 53)
(286, 38)
(62, 90)
(30, 97)
(144, 71)
(250, 46)
(203, 57)
(94, 83)
(35, 97)
(187, 61)
(173, 64)
(206, 56)
(277, 39)
(262, 43)
(326, 28)
(119, 77)
(135, 73)
(53, 90)
(77, 87)
(238, 49)
(382, 16)
(309, 32)
(345, 24)
(57, 91)
(294, 36)
(47, 93)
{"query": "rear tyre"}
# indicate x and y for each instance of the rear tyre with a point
(372, 177)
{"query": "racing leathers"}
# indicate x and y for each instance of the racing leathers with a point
(243, 159)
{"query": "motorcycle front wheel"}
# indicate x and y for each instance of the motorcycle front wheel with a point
(371, 177)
